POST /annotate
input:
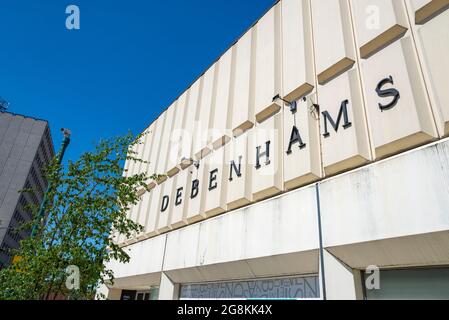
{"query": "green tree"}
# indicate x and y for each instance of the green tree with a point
(89, 198)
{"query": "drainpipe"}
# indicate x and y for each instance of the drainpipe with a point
(320, 233)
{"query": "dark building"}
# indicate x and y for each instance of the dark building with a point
(26, 147)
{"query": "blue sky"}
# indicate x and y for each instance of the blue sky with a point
(126, 64)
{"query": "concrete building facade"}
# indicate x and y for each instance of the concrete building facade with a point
(25, 148)
(310, 161)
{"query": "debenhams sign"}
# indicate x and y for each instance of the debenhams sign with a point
(263, 153)
(359, 108)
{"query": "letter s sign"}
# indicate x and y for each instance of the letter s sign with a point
(384, 93)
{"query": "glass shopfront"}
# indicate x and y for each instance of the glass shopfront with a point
(412, 284)
(277, 288)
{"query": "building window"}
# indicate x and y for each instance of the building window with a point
(152, 294)
(128, 295)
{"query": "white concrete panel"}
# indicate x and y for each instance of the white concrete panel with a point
(162, 163)
(214, 273)
(378, 23)
(304, 263)
(408, 123)
(394, 198)
(268, 64)
(216, 193)
(134, 216)
(429, 249)
(333, 38)
(216, 246)
(243, 89)
(195, 206)
(103, 293)
(267, 178)
(145, 144)
(248, 233)
(167, 289)
(163, 224)
(157, 145)
(182, 248)
(294, 214)
(140, 149)
(273, 266)
(342, 283)
(131, 169)
(115, 237)
(206, 113)
(348, 146)
(150, 132)
(131, 215)
(174, 152)
(126, 171)
(297, 51)
(139, 283)
(178, 218)
(302, 160)
(153, 213)
(191, 119)
(432, 39)
(142, 261)
(253, 232)
(426, 10)
(418, 4)
(239, 190)
(222, 117)
(144, 211)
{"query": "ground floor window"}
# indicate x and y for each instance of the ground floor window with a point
(154, 293)
(151, 294)
(273, 288)
(412, 284)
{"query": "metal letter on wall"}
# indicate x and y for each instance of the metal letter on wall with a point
(302, 155)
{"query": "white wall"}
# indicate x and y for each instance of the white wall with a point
(399, 197)
(391, 213)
